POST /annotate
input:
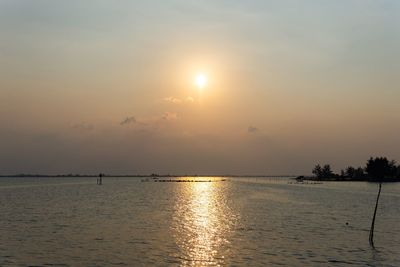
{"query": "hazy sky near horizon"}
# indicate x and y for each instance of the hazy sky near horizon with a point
(90, 86)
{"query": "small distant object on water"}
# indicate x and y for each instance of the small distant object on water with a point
(182, 181)
(155, 179)
(303, 180)
(100, 179)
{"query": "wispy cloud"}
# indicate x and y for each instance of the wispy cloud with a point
(151, 122)
(128, 120)
(252, 129)
(173, 100)
(176, 100)
(169, 116)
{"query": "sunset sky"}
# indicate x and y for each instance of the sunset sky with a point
(110, 86)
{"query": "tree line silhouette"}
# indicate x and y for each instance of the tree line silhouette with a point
(378, 169)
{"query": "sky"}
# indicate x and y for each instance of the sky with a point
(108, 86)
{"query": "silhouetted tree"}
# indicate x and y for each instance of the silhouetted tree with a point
(378, 169)
(359, 173)
(323, 172)
(350, 172)
(317, 171)
(354, 173)
(327, 172)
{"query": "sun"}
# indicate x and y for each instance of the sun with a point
(201, 80)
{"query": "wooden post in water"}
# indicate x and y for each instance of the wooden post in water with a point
(371, 231)
(100, 179)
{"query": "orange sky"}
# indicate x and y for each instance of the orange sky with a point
(109, 86)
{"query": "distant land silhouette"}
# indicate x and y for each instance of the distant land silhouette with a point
(21, 175)
(378, 169)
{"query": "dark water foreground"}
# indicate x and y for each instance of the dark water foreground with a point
(239, 222)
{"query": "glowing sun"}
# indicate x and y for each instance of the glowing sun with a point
(201, 80)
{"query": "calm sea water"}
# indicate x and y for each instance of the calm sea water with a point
(239, 222)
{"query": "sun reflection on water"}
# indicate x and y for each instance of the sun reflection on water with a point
(201, 223)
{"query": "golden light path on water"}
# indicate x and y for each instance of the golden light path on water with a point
(202, 223)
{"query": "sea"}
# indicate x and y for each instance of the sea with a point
(215, 221)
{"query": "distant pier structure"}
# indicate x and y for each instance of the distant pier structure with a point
(100, 179)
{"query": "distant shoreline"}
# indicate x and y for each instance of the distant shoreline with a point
(345, 179)
(139, 176)
(294, 177)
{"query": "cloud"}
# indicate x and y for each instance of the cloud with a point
(84, 126)
(128, 120)
(169, 116)
(173, 100)
(150, 122)
(176, 100)
(252, 129)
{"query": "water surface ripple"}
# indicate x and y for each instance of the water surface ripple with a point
(239, 222)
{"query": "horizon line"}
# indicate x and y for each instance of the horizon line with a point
(145, 175)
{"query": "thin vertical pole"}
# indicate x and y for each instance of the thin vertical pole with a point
(371, 232)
